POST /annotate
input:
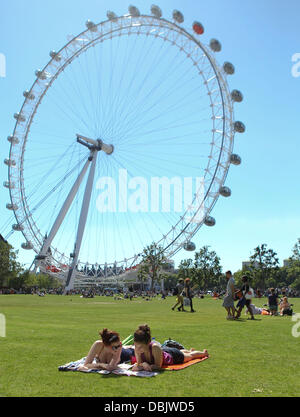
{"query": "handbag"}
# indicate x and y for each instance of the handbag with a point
(186, 302)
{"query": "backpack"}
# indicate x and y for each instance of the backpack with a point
(172, 344)
(175, 292)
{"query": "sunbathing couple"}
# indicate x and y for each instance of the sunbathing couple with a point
(148, 355)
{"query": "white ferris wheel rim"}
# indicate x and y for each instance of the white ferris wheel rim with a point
(184, 230)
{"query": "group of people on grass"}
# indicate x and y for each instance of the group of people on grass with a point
(146, 354)
(285, 308)
(245, 295)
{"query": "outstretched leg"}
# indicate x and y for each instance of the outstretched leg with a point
(195, 354)
(250, 309)
(238, 312)
(181, 308)
(175, 305)
(191, 304)
(229, 315)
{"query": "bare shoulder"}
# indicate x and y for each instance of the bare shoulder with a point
(98, 345)
(156, 347)
(157, 354)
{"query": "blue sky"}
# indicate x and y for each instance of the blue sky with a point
(260, 39)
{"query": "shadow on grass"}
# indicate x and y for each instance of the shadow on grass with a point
(243, 320)
(255, 320)
(145, 377)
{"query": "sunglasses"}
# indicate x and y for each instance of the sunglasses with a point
(114, 338)
(116, 347)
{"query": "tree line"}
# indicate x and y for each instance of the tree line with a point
(204, 270)
(14, 275)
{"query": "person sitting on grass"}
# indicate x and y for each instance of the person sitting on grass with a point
(216, 296)
(285, 307)
(108, 352)
(151, 356)
(273, 302)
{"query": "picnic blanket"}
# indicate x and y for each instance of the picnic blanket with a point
(123, 369)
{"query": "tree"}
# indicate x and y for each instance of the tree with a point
(143, 274)
(170, 280)
(296, 251)
(238, 277)
(264, 265)
(186, 269)
(9, 266)
(30, 280)
(153, 261)
(45, 281)
(291, 272)
(207, 270)
(27, 280)
(296, 284)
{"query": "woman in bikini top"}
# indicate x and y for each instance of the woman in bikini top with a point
(166, 357)
(107, 353)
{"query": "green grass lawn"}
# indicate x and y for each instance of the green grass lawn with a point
(247, 358)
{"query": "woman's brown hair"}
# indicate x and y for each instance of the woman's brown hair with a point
(142, 334)
(109, 337)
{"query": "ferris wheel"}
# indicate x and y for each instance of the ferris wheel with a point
(124, 139)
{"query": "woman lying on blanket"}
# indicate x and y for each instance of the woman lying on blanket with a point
(151, 356)
(107, 353)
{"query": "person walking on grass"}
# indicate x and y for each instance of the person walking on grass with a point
(243, 300)
(228, 302)
(179, 296)
(187, 291)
